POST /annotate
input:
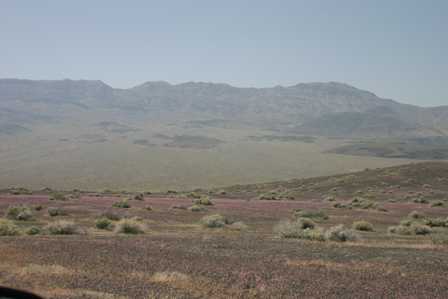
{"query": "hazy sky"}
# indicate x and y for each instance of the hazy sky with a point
(397, 49)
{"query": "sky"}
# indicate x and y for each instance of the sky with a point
(394, 48)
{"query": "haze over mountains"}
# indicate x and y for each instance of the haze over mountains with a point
(322, 109)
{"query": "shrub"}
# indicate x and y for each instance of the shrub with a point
(62, 228)
(123, 204)
(416, 215)
(204, 200)
(129, 226)
(214, 221)
(111, 216)
(196, 208)
(406, 222)
(435, 222)
(329, 198)
(58, 196)
(269, 196)
(8, 228)
(339, 233)
(420, 200)
(294, 229)
(53, 212)
(179, 207)
(148, 208)
(438, 203)
(194, 195)
(38, 208)
(20, 212)
(440, 239)
(420, 229)
(139, 196)
(104, 223)
(318, 215)
(33, 230)
(362, 226)
(400, 230)
(239, 225)
(313, 234)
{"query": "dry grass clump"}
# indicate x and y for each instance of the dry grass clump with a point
(339, 233)
(416, 215)
(363, 226)
(316, 215)
(62, 227)
(129, 226)
(122, 204)
(19, 212)
(239, 226)
(203, 200)
(58, 196)
(440, 239)
(111, 216)
(104, 223)
(33, 230)
(301, 228)
(436, 222)
(437, 203)
(214, 221)
(8, 228)
(413, 229)
(53, 212)
(196, 208)
(139, 196)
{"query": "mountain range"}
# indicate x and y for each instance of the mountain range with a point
(322, 109)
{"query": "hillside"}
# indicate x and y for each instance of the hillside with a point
(327, 109)
(401, 183)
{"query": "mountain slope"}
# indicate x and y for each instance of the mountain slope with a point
(329, 109)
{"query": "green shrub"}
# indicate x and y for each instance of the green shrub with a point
(33, 230)
(214, 221)
(53, 212)
(62, 228)
(129, 226)
(203, 200)
(406, 222)
(8, 228)
(306, 223)
(104, 223)
(196, 208)
(58, 196)
(19, 212)
(339, 233)
(122, 204)
(362, 226)
(317, 215)
(194, 195)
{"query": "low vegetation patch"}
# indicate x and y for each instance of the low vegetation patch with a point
(299, 229)
(203, 200)
(196, 208)
(316, 215)
(19, 212)
(111, 216)
(440, 239)
(122, 204)
(437, 203)
(129, 226)
(104, 223)
(214, 221)
(362, 226)
(53, 212)
(339, 233)
(58, 196)
(62, 227)
(33, 230)
(139, 196)
(8, 228)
